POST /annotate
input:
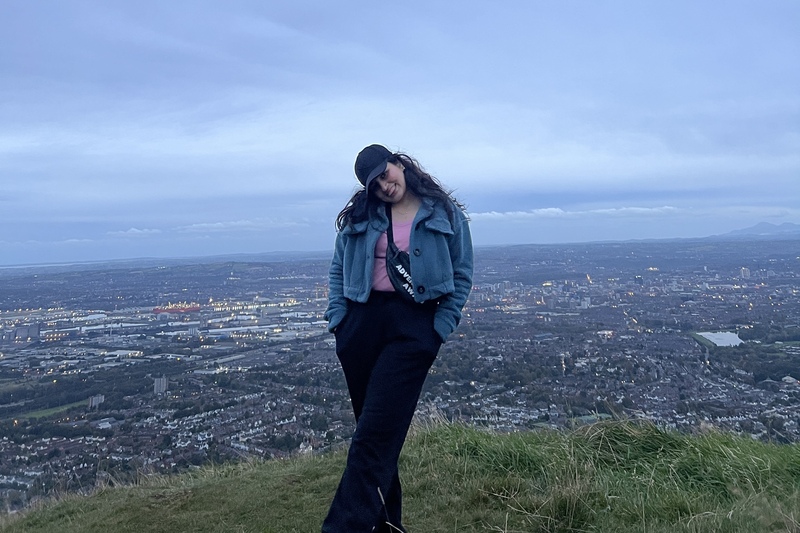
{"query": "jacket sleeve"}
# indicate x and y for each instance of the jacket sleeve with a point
(448, 313)
(337, 304)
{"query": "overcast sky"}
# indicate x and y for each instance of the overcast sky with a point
(170, 129)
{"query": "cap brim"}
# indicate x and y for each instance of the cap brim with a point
(377, 171)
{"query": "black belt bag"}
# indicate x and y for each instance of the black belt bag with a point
(398, 264)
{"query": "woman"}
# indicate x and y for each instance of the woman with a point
(387, 343)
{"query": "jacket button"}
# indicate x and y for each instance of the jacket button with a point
(417, 252)
(421, 289)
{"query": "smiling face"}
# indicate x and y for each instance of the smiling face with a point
(390, 186)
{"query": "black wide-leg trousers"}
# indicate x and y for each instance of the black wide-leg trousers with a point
(386, 347)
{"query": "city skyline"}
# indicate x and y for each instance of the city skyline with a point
(195, 129)
(686, 335)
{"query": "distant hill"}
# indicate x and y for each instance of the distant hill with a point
(621, 477)
(763, 230)
(149, 262)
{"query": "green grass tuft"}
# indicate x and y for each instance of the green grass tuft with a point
(620, 476)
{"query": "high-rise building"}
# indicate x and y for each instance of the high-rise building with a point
(160, 385)
(96, 400)
(744, 273)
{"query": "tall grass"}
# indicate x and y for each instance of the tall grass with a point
(611, 476)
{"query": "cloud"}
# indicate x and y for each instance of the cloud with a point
(240, 226)
(590, 216)
(555, 212)
(147, 130)
(133, 232)
(76, 241)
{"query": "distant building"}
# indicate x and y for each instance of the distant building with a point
(744, 273)
(160, 385)
(95, 401)
(27, 333)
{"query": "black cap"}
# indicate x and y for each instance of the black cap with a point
(371, 163)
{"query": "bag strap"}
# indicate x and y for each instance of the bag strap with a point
(389, 231)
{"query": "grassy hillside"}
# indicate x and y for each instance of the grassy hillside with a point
(612, 476)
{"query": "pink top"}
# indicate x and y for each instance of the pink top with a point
(402, 239)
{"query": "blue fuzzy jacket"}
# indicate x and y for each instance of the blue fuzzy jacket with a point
(441, 263)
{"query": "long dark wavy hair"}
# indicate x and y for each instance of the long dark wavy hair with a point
(418, 181)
